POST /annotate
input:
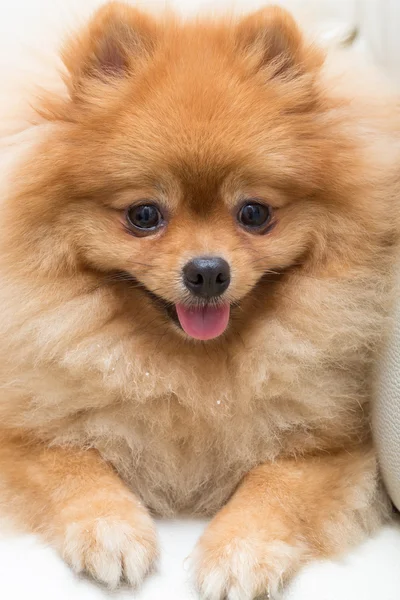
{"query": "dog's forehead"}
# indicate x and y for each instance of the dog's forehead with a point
(203, 128)
(199, 155)
(201, 180)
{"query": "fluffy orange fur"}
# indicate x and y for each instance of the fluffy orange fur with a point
(108, 410)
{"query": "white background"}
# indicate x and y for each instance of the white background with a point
(28, 570)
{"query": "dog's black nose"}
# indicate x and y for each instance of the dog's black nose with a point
(207, 276)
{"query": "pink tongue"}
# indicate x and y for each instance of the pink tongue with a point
(203, 323)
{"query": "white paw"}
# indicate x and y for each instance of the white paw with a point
(111, 550)
(241, 569)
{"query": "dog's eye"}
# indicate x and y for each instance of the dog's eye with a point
(254, 215)
(144, 217)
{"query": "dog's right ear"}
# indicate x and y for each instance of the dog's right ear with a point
(114, 44)
(272, 40)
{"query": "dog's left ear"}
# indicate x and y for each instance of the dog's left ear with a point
(117, 40)
(270, 38)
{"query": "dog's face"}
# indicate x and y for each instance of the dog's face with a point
(189, 158)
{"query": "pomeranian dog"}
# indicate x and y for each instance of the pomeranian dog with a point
(197, 236)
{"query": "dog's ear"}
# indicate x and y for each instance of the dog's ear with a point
(270, 38)
(115, 42)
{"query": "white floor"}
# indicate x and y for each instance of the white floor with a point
(30, 571)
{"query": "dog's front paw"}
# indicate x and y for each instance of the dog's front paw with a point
(117, 547)
(241, 568)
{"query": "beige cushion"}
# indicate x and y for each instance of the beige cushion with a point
(386, 412)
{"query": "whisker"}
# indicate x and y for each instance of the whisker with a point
(277, 293)
(237, 333)
(162, 336)
(272, 272)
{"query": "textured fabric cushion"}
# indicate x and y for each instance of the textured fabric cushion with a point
(386, 413)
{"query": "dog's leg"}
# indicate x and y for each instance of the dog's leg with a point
(283, 515)
(79, 505)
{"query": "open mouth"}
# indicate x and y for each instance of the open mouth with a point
(202, 322)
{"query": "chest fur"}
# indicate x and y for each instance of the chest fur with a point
(182, 424)
(184, 432)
